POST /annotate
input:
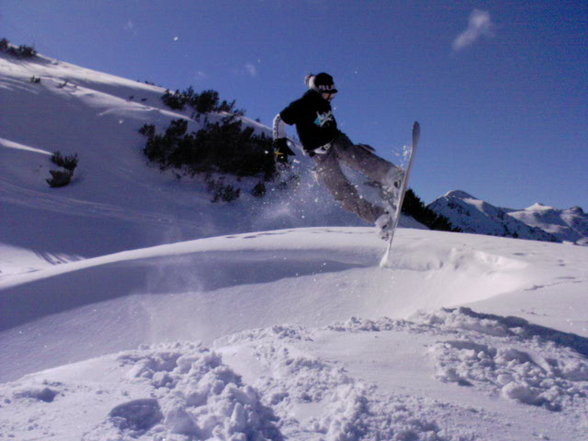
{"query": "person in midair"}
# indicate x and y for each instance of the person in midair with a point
(316, 126)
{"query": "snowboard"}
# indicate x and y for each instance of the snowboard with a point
(397, 204)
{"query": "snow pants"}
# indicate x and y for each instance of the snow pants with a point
(330, 174)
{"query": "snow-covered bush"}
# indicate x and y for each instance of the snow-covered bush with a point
(61, 178)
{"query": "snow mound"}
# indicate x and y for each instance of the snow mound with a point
(508, 356)
(499, 356)
(317, 399)
(179, 391)
(293, 382)
(504, 358)
(184, 391)
(201, 397)
(136, 416)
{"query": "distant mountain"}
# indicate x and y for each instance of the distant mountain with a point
(538, 222)
(569, 225)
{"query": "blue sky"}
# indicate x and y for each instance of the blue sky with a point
(500, 87)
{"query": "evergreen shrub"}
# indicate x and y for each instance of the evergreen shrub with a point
(413, 206)
(205, 102)
(222, 147)
(61, 178)
(17, 51)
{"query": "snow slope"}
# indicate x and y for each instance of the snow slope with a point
(131, 308)
(259, 335)
(115, 196)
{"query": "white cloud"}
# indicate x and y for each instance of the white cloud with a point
(479, 25)
(248, 69)
(129, 26)
(200, 75)
(251, 69)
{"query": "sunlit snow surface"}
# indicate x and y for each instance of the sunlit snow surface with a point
(131, 308)
(299, 334)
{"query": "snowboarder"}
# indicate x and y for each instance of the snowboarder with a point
(329, 147)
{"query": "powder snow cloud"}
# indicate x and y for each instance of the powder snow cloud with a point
(479, 25)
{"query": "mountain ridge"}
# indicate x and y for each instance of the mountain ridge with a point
(536, 222)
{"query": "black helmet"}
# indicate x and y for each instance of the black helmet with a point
(322, 83)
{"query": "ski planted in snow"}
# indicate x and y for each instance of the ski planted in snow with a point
(416, 133)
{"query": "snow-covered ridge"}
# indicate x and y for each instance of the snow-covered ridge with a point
(568, 225)
(537, 222)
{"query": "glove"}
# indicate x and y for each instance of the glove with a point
(282, 151)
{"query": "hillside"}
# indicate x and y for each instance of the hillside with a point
(134, 308)
(97, 116)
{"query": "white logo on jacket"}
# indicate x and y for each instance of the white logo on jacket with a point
(323, 118)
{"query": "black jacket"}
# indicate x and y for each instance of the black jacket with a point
(314, 120)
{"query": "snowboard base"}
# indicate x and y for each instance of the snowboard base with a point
(416, 133)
